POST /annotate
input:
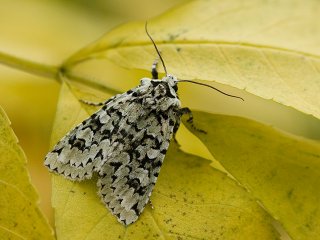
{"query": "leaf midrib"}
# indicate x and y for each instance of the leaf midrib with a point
(241, 44)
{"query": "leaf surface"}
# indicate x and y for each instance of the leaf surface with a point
(20, 217)
(279, 170)
(269, 48)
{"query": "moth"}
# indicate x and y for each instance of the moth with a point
(125, 143)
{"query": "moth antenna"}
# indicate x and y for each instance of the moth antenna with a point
(203, 84)
(155, 46)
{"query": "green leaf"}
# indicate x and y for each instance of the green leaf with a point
(20, 217)
(191, 200)
(281, 171)
(269, 48)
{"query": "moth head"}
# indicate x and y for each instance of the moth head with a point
(155, 86)
(171, 80)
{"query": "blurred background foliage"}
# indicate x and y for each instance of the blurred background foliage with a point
(48, 32)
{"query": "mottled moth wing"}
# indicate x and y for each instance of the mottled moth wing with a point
(78, 154)
(125, 142)
(128, 177)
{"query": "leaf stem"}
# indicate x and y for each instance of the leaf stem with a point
(49, 71)
(31, 67)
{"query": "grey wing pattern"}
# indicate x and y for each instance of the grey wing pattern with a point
(77, 155)
(128, 177)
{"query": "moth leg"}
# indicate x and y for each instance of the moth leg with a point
(151, 205)
(154, 70)
(92, 103)
(99, 103)
(190, 119)
(175, 130)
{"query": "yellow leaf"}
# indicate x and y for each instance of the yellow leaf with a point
(281, 171)
(20, 217)
(191, 200)
(269, 48)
